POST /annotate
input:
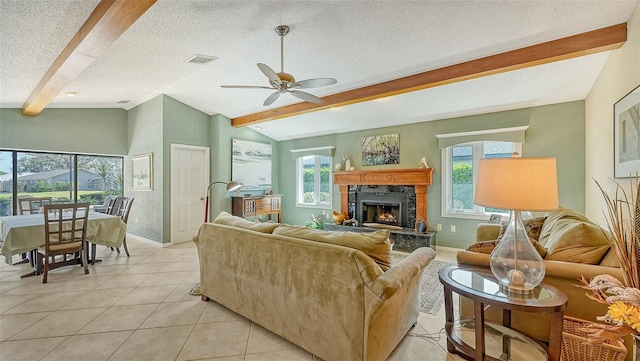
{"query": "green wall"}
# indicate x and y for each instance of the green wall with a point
(150, 127)
(221, 135)
(554, 130)
(95, 131)
(144, 132)
(182, 125)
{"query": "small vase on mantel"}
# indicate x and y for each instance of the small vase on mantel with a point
(347, 163)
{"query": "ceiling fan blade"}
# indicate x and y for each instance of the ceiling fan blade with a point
(272, 98)
(314, 83)
(273, 77)
(306, 96)
(246, 87)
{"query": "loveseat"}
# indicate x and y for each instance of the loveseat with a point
(312, 287)
(572, 247)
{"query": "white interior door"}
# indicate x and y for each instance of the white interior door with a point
(189, 177)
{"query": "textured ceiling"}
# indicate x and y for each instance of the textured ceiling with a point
(357, 42)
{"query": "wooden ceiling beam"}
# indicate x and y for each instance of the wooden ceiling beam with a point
(109, 20)
(591, 42)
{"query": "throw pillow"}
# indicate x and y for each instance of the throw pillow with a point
(488, 246)
(374, 244)
(553, 218)
(610, 259)
(576, 241)
(533, 226)
(229, 220)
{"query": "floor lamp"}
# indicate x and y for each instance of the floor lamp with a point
(231, 186)
(517, 184)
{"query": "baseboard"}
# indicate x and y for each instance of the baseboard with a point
(149, 241)
(449, 249)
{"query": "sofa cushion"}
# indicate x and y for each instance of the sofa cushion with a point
(573, 238)
(533, 226)
(488, 246)
(610, 259)
(552, 218)
(374, 244)
(229, 220)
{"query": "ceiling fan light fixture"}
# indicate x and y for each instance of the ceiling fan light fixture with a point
(286, 77)
(284, 82)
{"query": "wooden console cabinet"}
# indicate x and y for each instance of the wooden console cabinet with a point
(254, 206)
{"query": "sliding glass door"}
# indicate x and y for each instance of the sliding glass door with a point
(64, 177)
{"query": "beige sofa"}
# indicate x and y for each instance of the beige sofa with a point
(332, 300)
(574, 247)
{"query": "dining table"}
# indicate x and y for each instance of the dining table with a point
(24, 233)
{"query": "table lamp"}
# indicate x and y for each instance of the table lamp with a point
(517, 184)
(231, 186)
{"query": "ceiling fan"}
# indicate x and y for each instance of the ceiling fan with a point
(285, 83)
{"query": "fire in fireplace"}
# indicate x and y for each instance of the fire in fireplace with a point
(388, 213)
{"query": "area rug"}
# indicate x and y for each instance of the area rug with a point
(431, 290)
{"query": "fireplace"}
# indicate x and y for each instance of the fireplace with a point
(383, 204)
(411, 183)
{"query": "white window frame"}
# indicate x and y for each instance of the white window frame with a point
(300, 184)
(477, 212)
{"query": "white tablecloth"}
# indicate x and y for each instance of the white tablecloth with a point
(21, 234)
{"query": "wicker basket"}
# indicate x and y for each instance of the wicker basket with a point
(576, 348)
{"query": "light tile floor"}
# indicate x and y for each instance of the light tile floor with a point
(139, 308)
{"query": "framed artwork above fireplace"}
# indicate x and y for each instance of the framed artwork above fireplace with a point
(381, 149)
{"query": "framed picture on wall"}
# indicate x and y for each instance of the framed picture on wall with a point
(626, 135)
(142, 172)
(381, 149)
(251, 164)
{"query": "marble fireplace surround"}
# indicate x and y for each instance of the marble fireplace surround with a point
(420, 178)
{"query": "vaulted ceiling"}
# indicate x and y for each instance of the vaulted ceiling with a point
(359, 43)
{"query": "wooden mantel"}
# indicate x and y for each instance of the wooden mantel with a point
(421, 178)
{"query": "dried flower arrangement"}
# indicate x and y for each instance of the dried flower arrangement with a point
(623, 221)
(623, 299)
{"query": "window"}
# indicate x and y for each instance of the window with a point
(64, 177)
(459, 169)
(313, 181)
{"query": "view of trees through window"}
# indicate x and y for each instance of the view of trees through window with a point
(464, 157)
(316, 182)
(55, 175)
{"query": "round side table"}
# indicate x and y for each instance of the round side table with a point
(479, 285)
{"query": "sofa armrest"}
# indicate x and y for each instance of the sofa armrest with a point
(472, 258)
(557, 269)
(402, 273)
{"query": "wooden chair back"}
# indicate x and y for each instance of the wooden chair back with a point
(111, 205)
(65, 228)
(123, 207)
(32, 205)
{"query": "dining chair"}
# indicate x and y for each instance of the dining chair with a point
(121, 209)
(32, 205)
(111, 205)
(65, 228)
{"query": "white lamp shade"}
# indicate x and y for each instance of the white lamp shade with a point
(520, 184)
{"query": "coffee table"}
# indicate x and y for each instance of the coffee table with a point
(479, 285)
